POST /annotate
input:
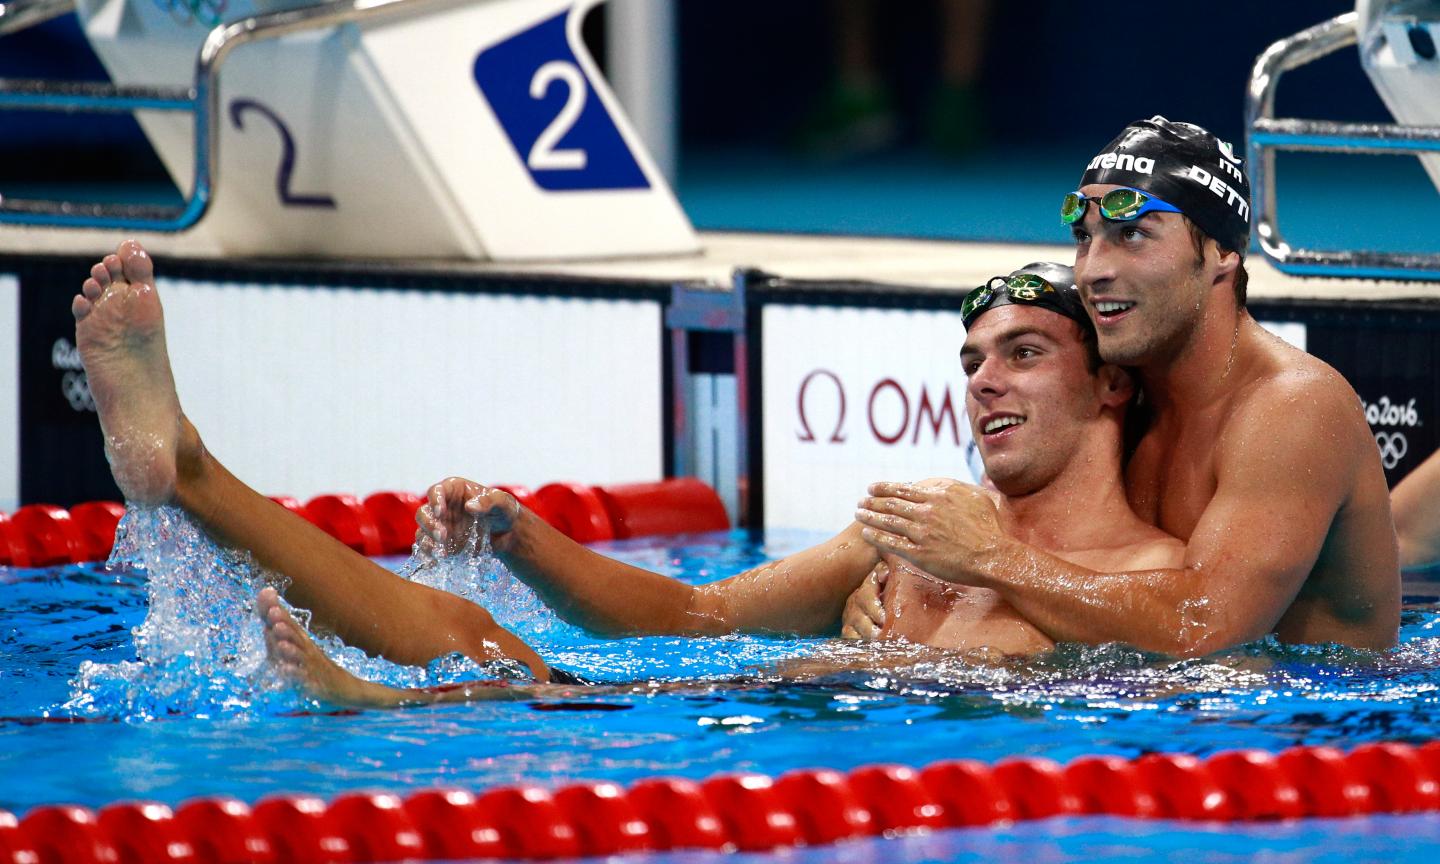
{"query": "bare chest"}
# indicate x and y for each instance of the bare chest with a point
(1171, 478)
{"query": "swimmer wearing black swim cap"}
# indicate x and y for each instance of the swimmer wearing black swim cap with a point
(1185, 166)
(1042, 283)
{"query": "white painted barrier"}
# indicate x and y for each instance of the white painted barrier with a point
(303, 391)
(10, 386)
(855, 395)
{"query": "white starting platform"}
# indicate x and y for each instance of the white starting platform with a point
(470, 129)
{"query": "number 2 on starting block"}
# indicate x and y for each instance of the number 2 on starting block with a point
(551, 115)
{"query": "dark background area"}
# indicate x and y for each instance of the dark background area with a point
(1054, 75)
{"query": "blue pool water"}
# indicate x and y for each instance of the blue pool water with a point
(99, 702)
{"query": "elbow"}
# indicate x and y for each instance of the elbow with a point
(705, 613)
(1202, 641)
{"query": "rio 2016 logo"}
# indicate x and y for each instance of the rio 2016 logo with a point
(74, 385)
(1393, 444)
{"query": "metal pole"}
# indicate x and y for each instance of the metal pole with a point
(641, 63)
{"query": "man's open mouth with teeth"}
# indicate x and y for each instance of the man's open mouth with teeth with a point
(998, 424)
(1108, 310)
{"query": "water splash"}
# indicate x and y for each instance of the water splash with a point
(200, 650)
(476, 574)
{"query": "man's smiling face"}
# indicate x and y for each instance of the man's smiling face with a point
(1142, 281)
(1029, 395)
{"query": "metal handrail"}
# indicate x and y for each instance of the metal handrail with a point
(16, 15)
(200, 100)
(1266, 134)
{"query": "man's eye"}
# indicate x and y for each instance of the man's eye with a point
(1130, 232)
(1023, 353)
(1080, 235)
(970, 366)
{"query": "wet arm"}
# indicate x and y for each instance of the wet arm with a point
(803, 593)
(1415, 502)
(1278, 492)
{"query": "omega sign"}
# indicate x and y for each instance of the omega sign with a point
(893, 413)
(1390, 419)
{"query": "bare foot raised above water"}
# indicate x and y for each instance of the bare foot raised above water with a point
(299, 659)
(120, 333)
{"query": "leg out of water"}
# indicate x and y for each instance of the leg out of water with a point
(120, 334)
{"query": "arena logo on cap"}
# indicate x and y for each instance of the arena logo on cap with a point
(1228, 152)
(1123, 162)
(1220, 188)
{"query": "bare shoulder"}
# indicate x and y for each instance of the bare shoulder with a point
(1296, 400)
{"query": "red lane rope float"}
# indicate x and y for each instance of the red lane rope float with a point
(97, 521)
(13, 553)
(735, 811)
(42, 535)
(51, 537)
(679, 506)
(576, 511)
(345, 518)
(394, 516)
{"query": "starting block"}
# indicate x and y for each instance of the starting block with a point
(478, 130)
(1397, 42)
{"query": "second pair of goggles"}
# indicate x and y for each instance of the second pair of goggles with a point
(1020, 288)
(1125, 204)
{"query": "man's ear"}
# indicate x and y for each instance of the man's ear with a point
(1227, 262)
(1116, 385)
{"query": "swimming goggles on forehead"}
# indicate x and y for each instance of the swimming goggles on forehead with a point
(1118, 205)
(1020, 288)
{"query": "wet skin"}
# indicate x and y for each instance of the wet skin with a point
(1049, 432)
(1258, 456)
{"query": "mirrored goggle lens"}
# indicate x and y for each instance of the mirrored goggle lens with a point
(1072, 208)
(975, 301)
(1122, 204)
(1027, 287)
(1028, 280)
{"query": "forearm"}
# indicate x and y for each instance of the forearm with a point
(1415, 505)
(803, 593)
(363, 603)
(1161, 610)
(602, 595)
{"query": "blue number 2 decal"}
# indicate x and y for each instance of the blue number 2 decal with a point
(551, 115)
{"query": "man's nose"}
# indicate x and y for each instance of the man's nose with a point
(988, 379)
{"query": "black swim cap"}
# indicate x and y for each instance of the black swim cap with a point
(1184, 165)
(1064, 300)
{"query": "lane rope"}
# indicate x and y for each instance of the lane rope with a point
(748, 812)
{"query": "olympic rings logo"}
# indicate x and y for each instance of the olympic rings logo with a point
(76, 388)
(1393, 448)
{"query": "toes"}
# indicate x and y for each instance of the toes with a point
(80, 307)
(138, 267)
(114, 271)
(100, 275)
(91, 289)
